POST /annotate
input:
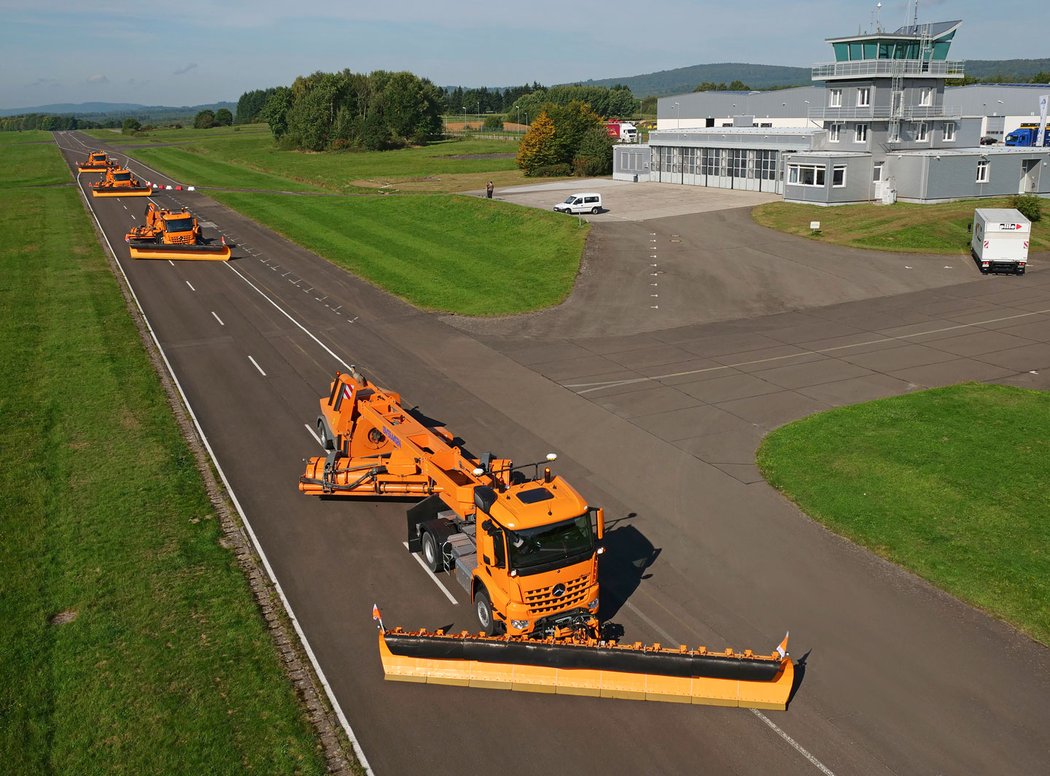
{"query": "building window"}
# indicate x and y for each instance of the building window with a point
(838, 175)
(922, 134)
(807, 174)
(864, 97)
(766, 165)
(926, 97)
(894, 135)
(949, 131)
(876, 173)
(833, 133)
(834, 98)
(861, 133)
(711, 161)
(982, 171)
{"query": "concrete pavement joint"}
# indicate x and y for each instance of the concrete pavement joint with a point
(591, 387)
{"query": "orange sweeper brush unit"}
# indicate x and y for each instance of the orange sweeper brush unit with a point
(525, 550)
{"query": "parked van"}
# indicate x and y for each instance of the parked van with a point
(580, 203)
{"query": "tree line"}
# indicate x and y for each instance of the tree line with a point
(50, 123)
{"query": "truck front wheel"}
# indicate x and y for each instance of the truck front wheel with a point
(483, 609)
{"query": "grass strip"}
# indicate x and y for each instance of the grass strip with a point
(447, 253)
(131, 642)
(247, 158)
(901, 227)
(950, 483)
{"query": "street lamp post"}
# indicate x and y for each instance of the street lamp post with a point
(464, 118)
(479, 114)
(678, 116)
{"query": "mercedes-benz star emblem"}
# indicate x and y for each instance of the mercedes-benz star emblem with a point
(558, 590)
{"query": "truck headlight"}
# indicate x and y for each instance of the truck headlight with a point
(593, 605)
(519, 624)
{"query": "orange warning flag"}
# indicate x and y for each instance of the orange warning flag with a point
(782, 647)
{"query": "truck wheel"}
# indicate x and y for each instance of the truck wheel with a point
(431, 553)
(326, 441)
(483, 610)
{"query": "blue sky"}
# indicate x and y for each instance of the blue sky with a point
(191, 52)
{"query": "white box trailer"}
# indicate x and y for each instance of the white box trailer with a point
(1000, 239)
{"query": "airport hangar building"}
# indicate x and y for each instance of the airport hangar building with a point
(882, 127)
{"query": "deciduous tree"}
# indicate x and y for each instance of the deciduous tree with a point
(537, 149)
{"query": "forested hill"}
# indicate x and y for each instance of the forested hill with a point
(685, 79)
(761, 77)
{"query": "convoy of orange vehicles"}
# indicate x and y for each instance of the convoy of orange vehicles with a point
(526, 552)
(524, 549)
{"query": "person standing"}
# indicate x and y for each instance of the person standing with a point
(488, 190)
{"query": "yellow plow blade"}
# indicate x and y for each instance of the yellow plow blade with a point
(181, 252)
(126, 191)
(649, 673)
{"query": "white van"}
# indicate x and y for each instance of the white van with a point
(580, 203)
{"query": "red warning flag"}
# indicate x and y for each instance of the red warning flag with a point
(377, 617)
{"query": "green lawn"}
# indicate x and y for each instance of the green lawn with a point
(213, 158)
(950, 483)
(30, 159)
(437, 250)
(165, 665)
(903, 227)
(460, 254)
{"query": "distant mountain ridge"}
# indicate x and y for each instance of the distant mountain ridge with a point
(760, 77)
(91, 110)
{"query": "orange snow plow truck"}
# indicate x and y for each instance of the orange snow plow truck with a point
(526, 552)
(173, 234)
(120, 182)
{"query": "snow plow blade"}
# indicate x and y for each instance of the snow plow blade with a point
(609, 670)
(180, 252)
(122, 191)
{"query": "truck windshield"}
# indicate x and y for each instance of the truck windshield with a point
(550, 544)
(122, 176)
(178, 224)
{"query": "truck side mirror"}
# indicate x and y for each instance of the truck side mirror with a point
(600, 524)
(484, 497)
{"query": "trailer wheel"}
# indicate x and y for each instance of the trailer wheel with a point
(431, 553)
(483, 610)
(326, 442)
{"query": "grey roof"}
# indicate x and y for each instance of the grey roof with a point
(936, 28)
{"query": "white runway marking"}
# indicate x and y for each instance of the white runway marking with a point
(591, 387)
(256, 365)
(188, 283)
(310, 431)
(217, 318)
(431, 574)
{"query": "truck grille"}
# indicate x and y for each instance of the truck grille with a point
(542, 600)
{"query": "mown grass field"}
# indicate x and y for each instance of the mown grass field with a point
(391, 217)
(131, 643)
(950, 483)
(213, 157)
(465, 255)
(903, 227)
